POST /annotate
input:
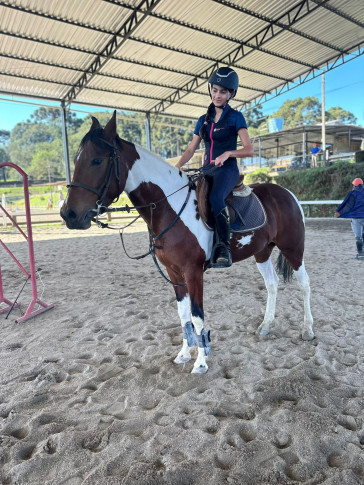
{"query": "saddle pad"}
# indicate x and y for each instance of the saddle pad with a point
(249, 214)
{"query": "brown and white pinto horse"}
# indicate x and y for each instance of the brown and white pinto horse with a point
(106, 165)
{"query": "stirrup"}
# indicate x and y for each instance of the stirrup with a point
(219, 261)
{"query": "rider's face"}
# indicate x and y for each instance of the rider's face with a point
(219, 95)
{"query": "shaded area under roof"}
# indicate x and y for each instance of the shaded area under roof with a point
(156, 56)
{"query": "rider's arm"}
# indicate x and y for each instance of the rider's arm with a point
(245, 151)
(188, 154)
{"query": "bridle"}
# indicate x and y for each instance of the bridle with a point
(113, 167)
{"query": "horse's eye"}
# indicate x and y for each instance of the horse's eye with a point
(97, 161)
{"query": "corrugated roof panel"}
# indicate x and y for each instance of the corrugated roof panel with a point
(37, 71)
(148, 74)
(36, 27)
(353, 8)
(157, 31)
(29, 87)
(114, 100)
(212, 17)
(164, 57)
(333, 29)
(35, 51)
(304, 51)
(129, 87)
(97, 14)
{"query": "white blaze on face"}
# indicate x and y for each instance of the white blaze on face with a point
(244, 240)
(151, 168)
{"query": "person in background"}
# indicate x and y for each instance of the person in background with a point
(353, 207)
(220, 128)
(315, 151)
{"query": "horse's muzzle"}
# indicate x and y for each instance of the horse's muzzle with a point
(77, 221)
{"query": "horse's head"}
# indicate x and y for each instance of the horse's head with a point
(99, 177)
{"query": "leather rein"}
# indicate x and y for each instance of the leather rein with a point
(114, 167)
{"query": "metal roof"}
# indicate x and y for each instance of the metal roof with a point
(156, 56)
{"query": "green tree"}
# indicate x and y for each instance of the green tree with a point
(4, 157)
(337, 113)
(261, 175)
(299, 111)
(4, 137)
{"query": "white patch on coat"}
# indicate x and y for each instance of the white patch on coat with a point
(184, 310)
(244, 240)
(151, 168)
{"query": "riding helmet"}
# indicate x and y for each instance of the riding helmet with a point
(226, 78)
(357, 182)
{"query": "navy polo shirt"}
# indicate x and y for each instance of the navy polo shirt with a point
(236, 119)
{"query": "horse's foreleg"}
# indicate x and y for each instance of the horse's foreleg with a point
(304, 281)
(271, 279)
(195, 289)
(184, 312)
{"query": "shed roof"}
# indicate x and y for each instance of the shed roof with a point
(156, 56)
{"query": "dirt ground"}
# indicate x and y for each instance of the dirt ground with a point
(90, 394)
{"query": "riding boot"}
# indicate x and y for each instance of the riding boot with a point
(221, 257)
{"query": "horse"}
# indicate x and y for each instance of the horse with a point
(106, 165)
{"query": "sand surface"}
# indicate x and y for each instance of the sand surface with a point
(90, 394)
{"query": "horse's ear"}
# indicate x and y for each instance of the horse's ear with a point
(110, 128)
(95, 124)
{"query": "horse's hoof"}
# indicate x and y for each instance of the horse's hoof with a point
(308, 335)
(263, 333)
(201, 369)
(181, 360)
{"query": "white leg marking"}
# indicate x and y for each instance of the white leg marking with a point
(304, 281)
(184, 312)
(271, 283)
(200, 366)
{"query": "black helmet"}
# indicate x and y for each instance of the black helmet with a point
(226, 78)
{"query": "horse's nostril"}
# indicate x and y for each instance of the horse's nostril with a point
(71, 214)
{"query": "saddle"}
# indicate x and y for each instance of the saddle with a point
(246, 211)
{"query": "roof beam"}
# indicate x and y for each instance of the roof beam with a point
(340, 13)
(143, 41)
(107, 75)
(330, 64)
(281, 22)
(296, 13)
(128, 27)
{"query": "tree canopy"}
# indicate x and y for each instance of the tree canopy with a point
(36, 144)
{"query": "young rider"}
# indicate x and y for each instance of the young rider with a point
(353, 207)
(219, 128)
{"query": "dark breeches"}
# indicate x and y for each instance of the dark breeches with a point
(222, 180)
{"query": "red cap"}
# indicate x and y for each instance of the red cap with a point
(357, 182)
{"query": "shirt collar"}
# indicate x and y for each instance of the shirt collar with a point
(224, 111)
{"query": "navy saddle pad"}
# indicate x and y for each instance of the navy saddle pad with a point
(247, 212)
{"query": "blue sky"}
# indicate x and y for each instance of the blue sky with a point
(344, 88)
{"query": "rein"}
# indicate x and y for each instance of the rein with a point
(101, 193)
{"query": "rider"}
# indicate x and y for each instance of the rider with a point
(219, 128)
(353, 207)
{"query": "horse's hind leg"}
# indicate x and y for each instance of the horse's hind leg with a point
(271, 279)
(304, 281)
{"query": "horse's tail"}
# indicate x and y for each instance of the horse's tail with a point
(284, 268)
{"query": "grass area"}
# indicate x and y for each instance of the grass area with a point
(39, 196)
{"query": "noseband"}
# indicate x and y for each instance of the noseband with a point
(114, 166)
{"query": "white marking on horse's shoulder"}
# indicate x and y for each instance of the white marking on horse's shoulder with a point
(244, 240)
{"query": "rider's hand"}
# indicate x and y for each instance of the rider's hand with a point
(219, 161)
